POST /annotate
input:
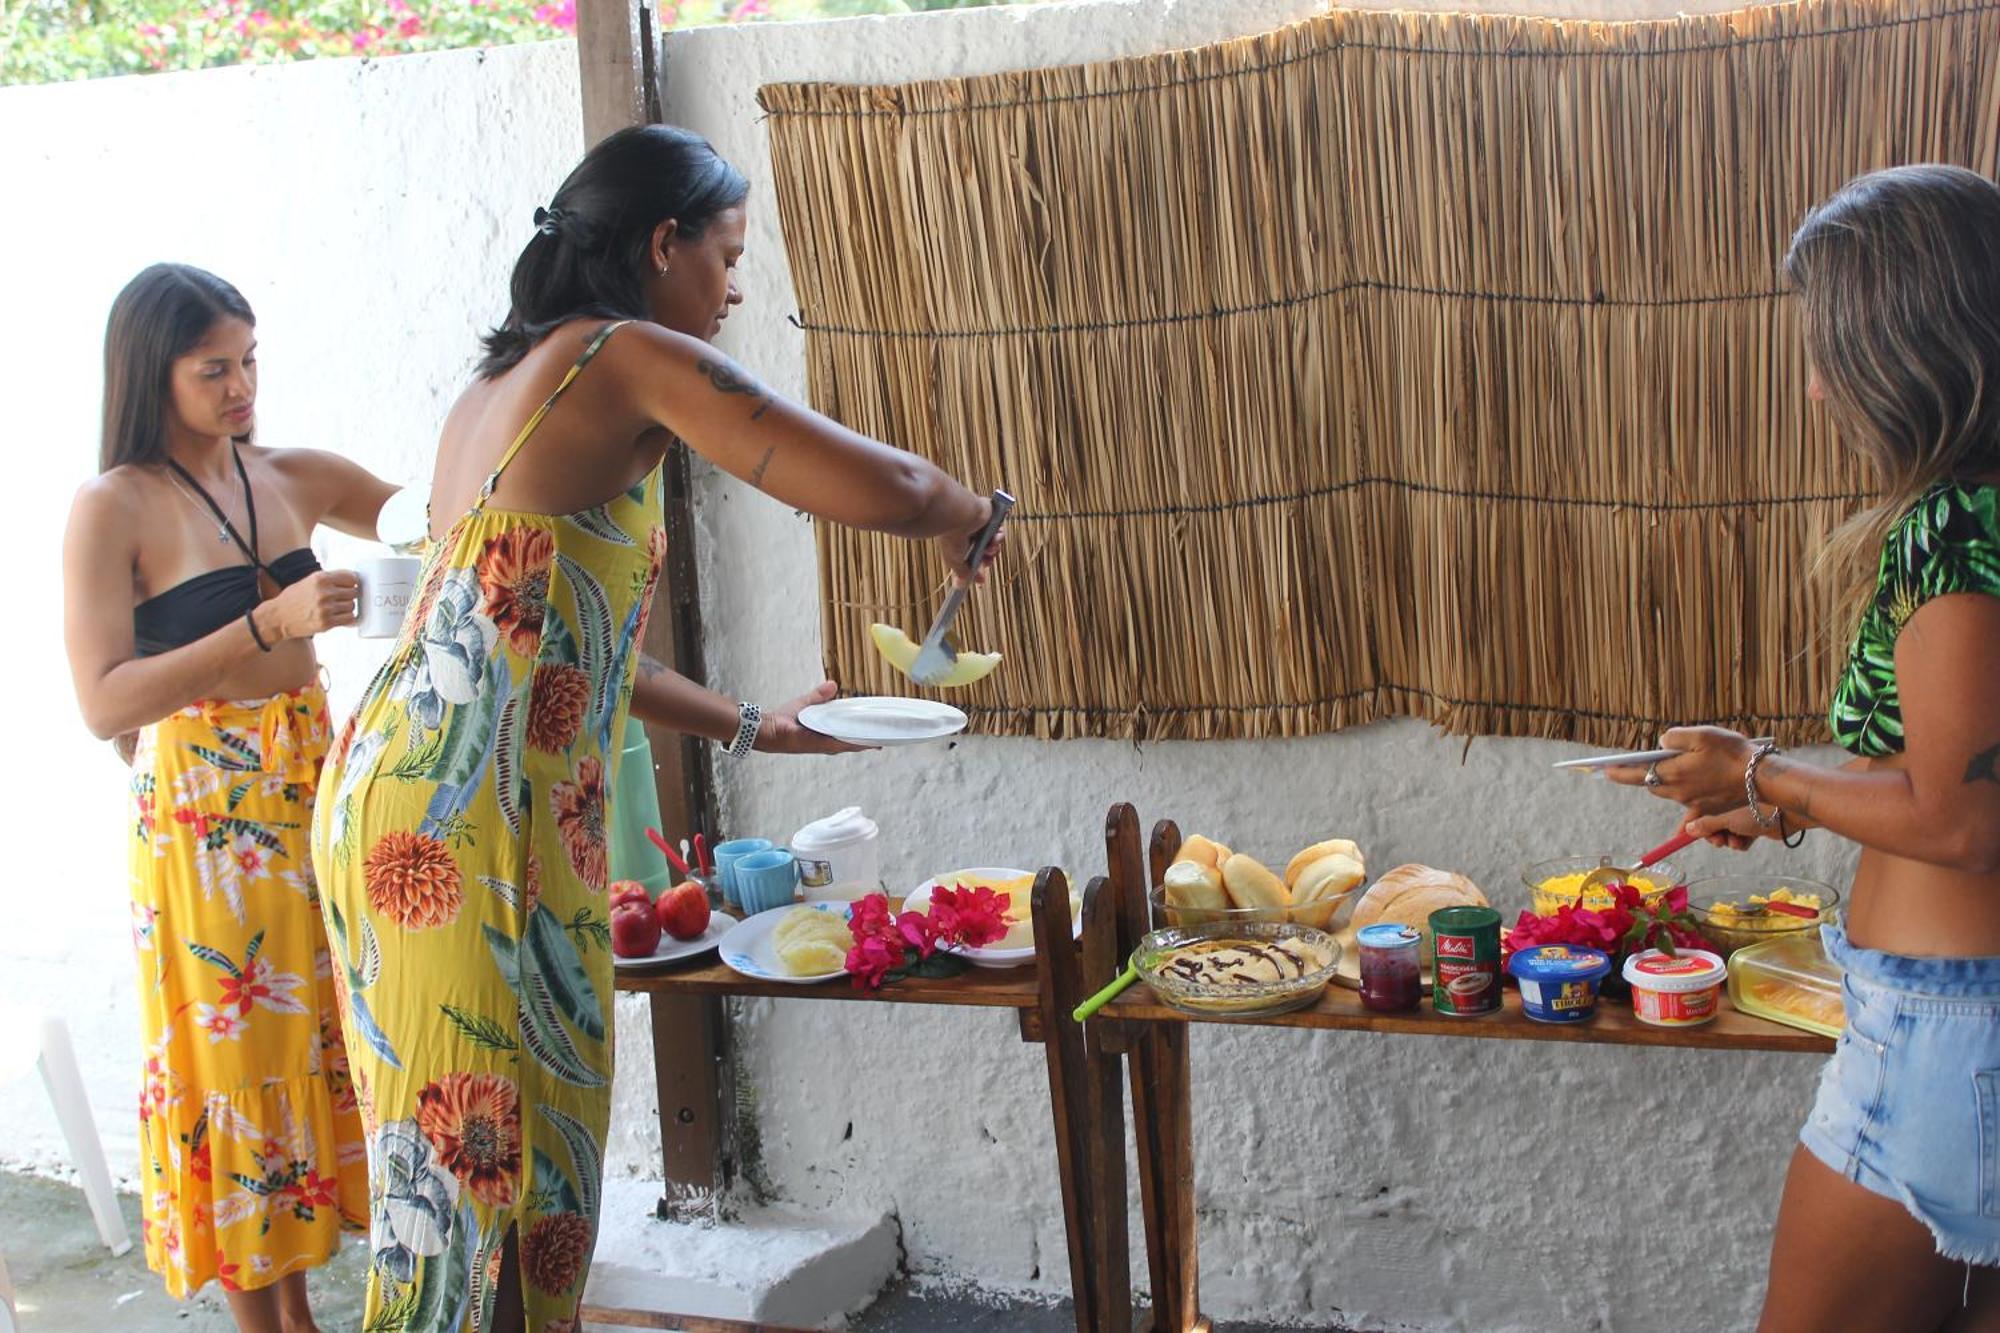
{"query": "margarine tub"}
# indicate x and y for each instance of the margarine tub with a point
(1682, 989)
(1559, 981)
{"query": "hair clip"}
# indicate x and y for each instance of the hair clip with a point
(548, 221)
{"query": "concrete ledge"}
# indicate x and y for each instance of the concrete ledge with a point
(769, 1265)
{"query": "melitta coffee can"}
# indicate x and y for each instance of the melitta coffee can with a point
(1466, 973)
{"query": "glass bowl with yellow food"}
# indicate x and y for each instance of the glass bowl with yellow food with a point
(1558, 883)
(1736, 910)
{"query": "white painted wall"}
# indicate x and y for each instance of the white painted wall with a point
(1383, 1182)
(370, 212)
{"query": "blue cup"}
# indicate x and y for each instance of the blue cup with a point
(767, 879)
(726, 855)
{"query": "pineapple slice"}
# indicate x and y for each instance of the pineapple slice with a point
(900, 651)
(809, 958)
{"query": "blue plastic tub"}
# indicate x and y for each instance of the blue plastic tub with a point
(1559, 981)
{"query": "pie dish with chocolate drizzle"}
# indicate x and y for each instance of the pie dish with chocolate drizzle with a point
(1239, 970)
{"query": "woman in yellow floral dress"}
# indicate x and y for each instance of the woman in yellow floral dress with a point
(190, 599)
(461, 847)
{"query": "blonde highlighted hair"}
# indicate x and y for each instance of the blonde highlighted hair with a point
(1898, 275)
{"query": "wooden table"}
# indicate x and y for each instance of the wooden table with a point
(1151, 1039)
(1083, 1097)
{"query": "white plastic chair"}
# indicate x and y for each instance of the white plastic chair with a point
(45, 1044)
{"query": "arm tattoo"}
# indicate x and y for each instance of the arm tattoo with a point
(757, 473)
(726, 379)
(650, 668)
(1984, 765)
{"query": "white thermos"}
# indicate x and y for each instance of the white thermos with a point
(839, 857)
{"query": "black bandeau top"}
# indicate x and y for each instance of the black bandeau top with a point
(205, 603)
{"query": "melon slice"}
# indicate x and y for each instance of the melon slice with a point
(900, 651)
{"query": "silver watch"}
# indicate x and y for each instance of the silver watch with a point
(749, 721)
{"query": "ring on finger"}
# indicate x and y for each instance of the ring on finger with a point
(1653, 778)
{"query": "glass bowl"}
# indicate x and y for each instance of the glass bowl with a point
(1244, 999)
(1554, 883)
(1327, 913)
(1729, 932)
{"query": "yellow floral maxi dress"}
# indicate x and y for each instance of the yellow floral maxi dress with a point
(461, 850)
(251, 1156)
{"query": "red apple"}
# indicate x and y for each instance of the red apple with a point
(635, 931)
(683, 910)
(630, 891)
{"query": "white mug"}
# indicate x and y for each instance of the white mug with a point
(387, 584)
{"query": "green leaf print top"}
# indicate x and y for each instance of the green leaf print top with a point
(1949, 542)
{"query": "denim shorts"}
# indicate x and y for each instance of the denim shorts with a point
(1909, 1105)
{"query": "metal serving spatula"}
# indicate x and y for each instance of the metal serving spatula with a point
(937, 656)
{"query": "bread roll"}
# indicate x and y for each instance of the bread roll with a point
(1328, 877)
(1319, 851)
(1203, 851)
(1192, 884)
(1322, 887)
(1408, 895)
(1250, 884)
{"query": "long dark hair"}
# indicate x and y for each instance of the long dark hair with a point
(160, 317)
(588, 257)
(1898, 275)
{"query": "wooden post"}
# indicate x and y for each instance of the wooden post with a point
(618, 56)
(1086, 1103)
(1162, 1094)
(617, 53)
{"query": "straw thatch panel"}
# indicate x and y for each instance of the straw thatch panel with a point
(1389, 363)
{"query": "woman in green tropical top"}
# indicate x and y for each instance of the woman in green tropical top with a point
(1890, 1218)
(461, 845)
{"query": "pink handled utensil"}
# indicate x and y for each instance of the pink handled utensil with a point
(1610, 874)
(667, 849)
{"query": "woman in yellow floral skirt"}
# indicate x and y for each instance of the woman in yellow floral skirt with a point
(190, 599)
(461, 845)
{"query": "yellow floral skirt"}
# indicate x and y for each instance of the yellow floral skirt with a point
(252, 1158)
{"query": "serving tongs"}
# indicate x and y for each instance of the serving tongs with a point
(937, 656)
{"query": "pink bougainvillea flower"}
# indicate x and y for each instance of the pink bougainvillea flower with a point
(871, 960)
(972, 917)
(869, 917)
(920, 932)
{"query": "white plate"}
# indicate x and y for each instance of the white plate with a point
(1626, 760)
(920, 899)
(405, 519)
(750, 949)
(671, 950)
(1631, 758)
(883, 720)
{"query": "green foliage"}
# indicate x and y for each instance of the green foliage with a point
(46, 41)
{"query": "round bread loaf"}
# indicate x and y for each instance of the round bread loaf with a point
(1251, 884)
(1407, 896)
